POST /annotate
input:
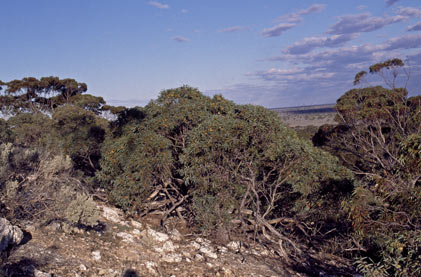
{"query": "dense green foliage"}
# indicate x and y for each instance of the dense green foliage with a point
(80, 133)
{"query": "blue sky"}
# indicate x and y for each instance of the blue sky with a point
(266, 52)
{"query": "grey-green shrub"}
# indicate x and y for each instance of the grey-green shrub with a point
(40, 187)
(208, 155)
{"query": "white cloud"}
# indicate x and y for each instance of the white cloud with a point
(297, 17)
(365, 22)
(309, 43)
(277, 30)
(289, 21)
(408, 11)
(416, 27)
(159, 5)
(365, 53)
(180, 39)
(231, 29)
(312, 9)
(289, 75)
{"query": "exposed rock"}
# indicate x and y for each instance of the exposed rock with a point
(175, 235)
(208, 251)
(151, 266)
(167, 247)
(172, 258)
(53, 226)
(136, 224)
(9, 235)
(202, 241)
(195, 245)
(125, 248)
(38, 273)
(234, 246)
(96, 255)
(157, 236)
(136, 232)
(114, 215)
(222, 249)
(199, 258)
(126, 237)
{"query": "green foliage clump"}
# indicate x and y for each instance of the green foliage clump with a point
(82, 210)
(6, 134)
(80, 134)
(373, 122)
(134, 165)
(33, 130)
(88, 102)
(250, 161)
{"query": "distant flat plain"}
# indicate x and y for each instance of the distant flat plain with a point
(302, 116)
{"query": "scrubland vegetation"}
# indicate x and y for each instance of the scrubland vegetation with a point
(227, 170)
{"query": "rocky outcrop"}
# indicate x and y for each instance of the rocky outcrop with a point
(127, 247)
(9, 235)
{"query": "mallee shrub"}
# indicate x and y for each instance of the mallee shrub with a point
(219, 161)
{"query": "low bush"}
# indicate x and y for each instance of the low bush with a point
(39, 187)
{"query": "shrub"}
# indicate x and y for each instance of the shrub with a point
(134, 166)
(221, 163)
(33, 130)
(251, 162)
(80, 134)
(39, 187)
(82, 210)
(6, 134)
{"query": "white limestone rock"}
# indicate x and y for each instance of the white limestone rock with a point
(96, 255)
(9, 235)
(172, 258)
(209, 252)
(126, 237)
(157, 236)
(113, 215)
(234, 245)
(136, 224)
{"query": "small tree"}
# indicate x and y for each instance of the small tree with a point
(388, 71)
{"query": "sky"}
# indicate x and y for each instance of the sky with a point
(265, 52)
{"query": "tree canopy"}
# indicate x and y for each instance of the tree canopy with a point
(37, 95)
